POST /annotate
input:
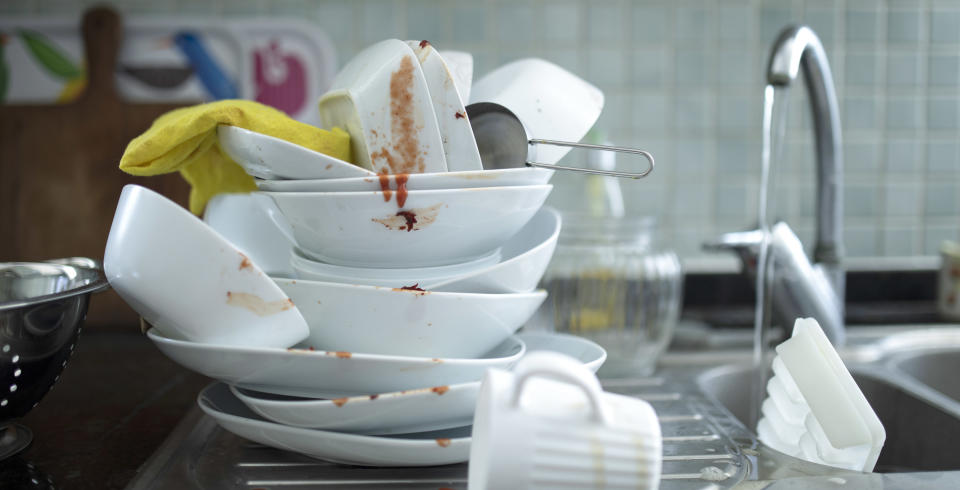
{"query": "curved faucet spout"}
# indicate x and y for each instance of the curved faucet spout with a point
(799, 46)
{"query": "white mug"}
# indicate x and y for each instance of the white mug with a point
(549, 424)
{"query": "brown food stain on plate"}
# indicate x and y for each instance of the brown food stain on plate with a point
(340, 401)
(410, 219)
(257, 305)
(443, 442)
(416, 289)
(440, 389)
(341, 354)
(245, 262)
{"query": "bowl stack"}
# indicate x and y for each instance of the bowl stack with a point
(412, 272)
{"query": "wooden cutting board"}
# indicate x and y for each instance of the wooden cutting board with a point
(59, 175)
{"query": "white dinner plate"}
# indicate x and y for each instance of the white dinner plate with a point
(424, 409)
(421, 449)
(329, 374)
(416, 182)
(459, 147)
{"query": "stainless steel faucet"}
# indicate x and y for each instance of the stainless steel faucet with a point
(801, 289)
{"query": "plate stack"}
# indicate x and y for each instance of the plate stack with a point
(412, 270)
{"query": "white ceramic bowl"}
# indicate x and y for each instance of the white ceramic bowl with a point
(185, 278)
(266, 157)
(381, 99)
(459, 146)
(525, 258)
(551, 102)
(415, 182)
(434, 227)
(306, 268)
(253, 224)
(394, 321)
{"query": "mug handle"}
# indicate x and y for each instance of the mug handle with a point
(565, 369)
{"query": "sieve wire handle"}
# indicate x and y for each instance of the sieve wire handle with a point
(611, 173)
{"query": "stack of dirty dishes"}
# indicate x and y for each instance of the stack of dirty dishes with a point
(399, 279)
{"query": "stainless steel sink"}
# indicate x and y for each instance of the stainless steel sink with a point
(938, 369)
(702, 398)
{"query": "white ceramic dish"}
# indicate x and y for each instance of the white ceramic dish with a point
(322, 374)
(459, 147)
(434, 227)
(307, 268)
(524, 260)
(402, 322)
(381, 99)
(415, 182)
(421, 449)
(552, 103)
(460, 64)
(266, 157)
(180, 274)
(423, 409)
(253, 224)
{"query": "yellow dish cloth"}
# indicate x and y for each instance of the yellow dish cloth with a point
(186, 140)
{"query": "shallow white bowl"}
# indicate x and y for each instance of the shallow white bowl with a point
(328, 374)
(524, 260)
(452, 225)
(253, 224)
(423, 409)
(266, 157)
(415, 182)
(393, 321)
(306, 268)
(381, 98)
(184, 277)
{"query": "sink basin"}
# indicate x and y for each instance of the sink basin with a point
(920, 434)
(937, 369)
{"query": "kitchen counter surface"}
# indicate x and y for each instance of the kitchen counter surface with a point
(117, 400)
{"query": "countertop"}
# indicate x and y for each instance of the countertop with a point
(117, 400)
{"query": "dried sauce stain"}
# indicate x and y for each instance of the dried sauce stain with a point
(415, 289)
(440, 389)
(340, 401)
(341, 354)
(374, 397)
(410, 217)
(245, 262)
(329, 165)
(385, 186)
(424, 43)
(403, 156)
(410, 220)
(443, 442)
(437, 360)
(257, 305)
(401, 180)
(460, 115)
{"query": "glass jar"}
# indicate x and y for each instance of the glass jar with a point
(608, 282)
